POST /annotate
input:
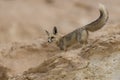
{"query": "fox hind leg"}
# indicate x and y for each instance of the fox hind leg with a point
(82, 37)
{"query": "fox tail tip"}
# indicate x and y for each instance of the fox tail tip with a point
(101, 6)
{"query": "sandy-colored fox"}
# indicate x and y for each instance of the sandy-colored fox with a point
(81, 34)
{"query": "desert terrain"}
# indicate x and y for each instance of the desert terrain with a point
(26, 55)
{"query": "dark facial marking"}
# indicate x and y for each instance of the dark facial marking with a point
(52, 37)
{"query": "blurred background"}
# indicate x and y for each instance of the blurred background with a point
(22, 20)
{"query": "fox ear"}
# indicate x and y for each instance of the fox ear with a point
(55, 30)
(47, 32)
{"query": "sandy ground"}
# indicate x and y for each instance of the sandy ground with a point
(25, 55)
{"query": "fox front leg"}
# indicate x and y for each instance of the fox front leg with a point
(63, 48)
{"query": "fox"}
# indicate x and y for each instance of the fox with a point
(79, 35)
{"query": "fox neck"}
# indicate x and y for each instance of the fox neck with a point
(58, 37)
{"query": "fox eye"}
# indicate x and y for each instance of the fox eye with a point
(52, 37)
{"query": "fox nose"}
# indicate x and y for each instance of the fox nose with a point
(49, 41)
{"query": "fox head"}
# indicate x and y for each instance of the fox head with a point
(52, 36)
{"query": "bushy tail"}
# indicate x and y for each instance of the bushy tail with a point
(100, 22)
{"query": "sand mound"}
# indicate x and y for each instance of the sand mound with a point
(99, 60)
